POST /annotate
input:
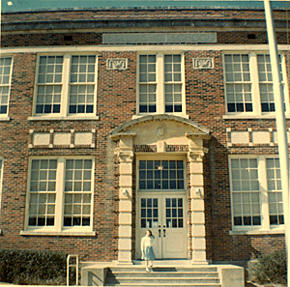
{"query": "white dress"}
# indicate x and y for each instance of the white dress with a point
(147, 247)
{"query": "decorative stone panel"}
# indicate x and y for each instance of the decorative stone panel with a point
(117, 64)
(202, 63)
(145, 148)
(253, 138)
(176, 148)
(41, 139)
(61, 139)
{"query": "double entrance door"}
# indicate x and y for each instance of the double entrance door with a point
(165, 216)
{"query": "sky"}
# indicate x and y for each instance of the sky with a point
(21, 5)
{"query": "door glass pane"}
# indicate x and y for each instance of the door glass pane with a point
(174, 212)
(149, 212)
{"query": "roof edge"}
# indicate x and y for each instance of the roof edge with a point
(136, 9)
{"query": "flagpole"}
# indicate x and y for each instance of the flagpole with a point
(281, 126)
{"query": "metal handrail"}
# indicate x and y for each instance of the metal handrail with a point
(68, 266)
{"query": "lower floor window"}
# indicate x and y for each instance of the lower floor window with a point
(60, 193)
(256, 192)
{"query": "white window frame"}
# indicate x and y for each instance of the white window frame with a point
(147, 157)
(256, 100)
(64, 108)
(265, 227)
(58, 229)
(1, 183)
(160, 84)
(5, 117)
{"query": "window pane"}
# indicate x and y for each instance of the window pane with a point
(42, 192)
(5, 80)
(238, 91)
(82, 94)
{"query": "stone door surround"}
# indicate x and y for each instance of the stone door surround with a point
(163, 135)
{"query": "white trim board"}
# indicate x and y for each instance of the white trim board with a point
(144, 48)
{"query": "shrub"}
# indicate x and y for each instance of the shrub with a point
(271, 268)
(32, 267)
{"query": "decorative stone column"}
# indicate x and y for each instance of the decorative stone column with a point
(125, 155)
(198, 243)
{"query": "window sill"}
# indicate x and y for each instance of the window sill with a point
(155, 114)
(256, 232)
(68, 118)
(241, 117)
(4, 119)
(52, 233)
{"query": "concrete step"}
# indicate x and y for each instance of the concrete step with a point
(142, 280)
(165, 285)
(199, 276)
(164, 269)
(155, 274)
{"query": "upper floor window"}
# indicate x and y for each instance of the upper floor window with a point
(66, 85)
(5, 84)
(160, 84)
(256, 192)
(249, 83)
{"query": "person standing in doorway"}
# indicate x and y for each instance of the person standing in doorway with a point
(147, 249)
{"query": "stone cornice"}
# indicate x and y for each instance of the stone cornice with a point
(155, 118)
(191, 135)
(136, 23)
(116, 136)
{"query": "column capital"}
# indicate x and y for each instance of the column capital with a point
(125, 155)
(196, 154)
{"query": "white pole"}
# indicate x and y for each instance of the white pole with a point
(281, 126)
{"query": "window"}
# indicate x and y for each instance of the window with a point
(161, 174)
(66, 86)
(276, 216)
(60, 194)
(160, 84)
(256, 187)
(249, 84)
(5, 84)
(266, 82)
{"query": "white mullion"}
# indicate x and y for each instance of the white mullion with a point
(65, 85)
(9, 85)
(160, 97)
(183, 105)
(59, 202)
(92, 193)
(36, 85)
(285, 83)
(255, 83)
(262, 175)
(96, 86)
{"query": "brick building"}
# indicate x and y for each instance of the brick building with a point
(114, 121)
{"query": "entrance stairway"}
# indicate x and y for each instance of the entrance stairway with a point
(201, 276)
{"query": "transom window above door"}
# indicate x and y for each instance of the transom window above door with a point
(161, 174)
(161, 84)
